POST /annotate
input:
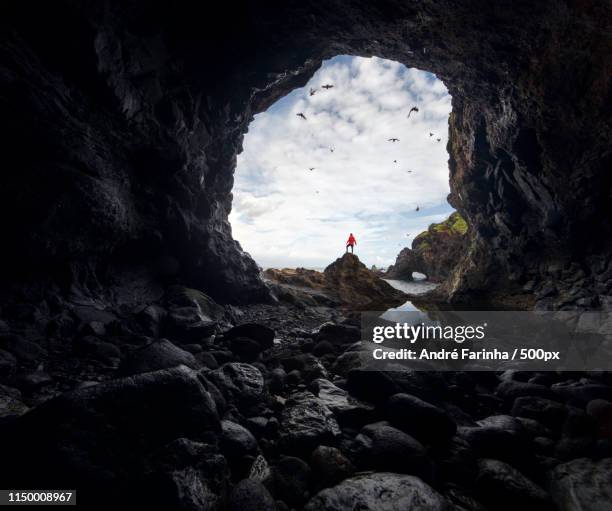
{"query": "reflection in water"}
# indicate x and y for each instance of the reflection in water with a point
(417, 287)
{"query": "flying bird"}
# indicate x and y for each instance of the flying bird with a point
(301, 115)
(409, 171)
(312, 91)
(393, 140)
(394, 161)
(331, 149)
(311, 168)
(418, 209)
(413, 109)
(431, 134)
(438, 139)
(327, 86)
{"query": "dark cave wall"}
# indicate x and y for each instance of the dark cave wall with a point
(125, 119)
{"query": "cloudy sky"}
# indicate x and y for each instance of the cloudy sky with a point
(286, 215)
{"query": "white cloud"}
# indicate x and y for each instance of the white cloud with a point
(286, 215)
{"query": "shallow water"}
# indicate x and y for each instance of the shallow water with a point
(416, 287)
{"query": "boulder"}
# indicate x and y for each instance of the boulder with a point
(338, 333)
(500, 486)
(8, 366)
(330, 466)
(377, 386)
(420, 419)
(26, 352)
(95, 436)
(582, 485)
(239, 383)
(509, 390)
(291, 478)
(550, 413)
(305, 423)
(159, 354)
(236, 441)
(183, 475)
(382, 447)
(250, 495)
(347, 410)
(11, 404)
(382, 491)
(263, 335)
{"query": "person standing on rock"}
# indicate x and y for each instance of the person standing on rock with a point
(351, 242)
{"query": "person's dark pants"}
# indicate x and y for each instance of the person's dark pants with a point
(347, 247)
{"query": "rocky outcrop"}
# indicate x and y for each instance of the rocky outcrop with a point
(355, 285)
(435, 252)
(346, 282)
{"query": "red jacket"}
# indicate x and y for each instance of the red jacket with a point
(351, 240)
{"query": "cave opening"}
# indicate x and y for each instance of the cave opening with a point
(360, 148)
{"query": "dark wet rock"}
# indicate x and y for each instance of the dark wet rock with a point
(97, 435)
(260, 469)
(293, 378)
(507, 423)
(510, 390)
(183, 475)
(382, 447)
(263, 335)
(330, 466)
(159, 354)
(501, 486)
(95, 348)
(533, 427)
(250, 495)
(338, 333)
(308, 365)
(462, 501)
(420, 419)
(347, 410)
(501, 441)
(550, 413)
(236, 440)
(257, 425)
(8, 366)
(291, 478)
(11, 404)
(26, 352)
(277, 377)
(347, 361)
(323, 348)
(36, 380)
(150, 319)
(305, 423)
(188, 325)
(207, 359)
(377, 386)
(381, 491)
(455, 461)
(544, 445)
(194, 349)
(581, 393)
(601, 412)
(246, 349)
(582, 485)
(240, 383)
